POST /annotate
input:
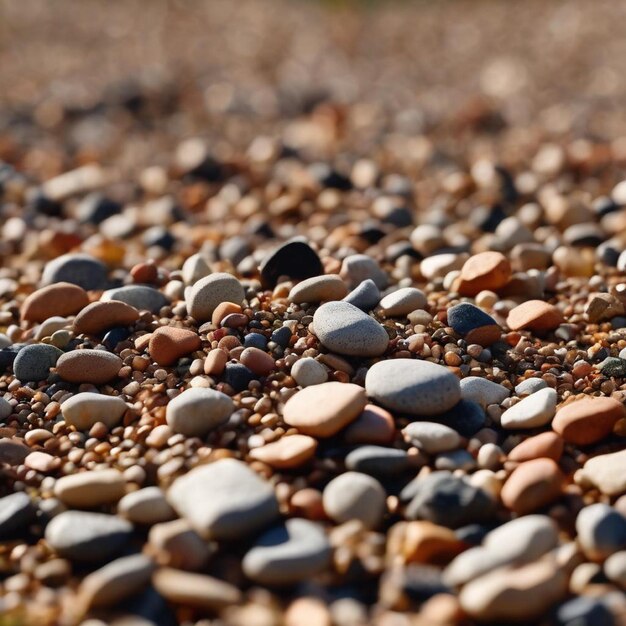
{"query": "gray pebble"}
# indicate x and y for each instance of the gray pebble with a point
(456, 459)
(431, 437)
(79, 269)
(364, 296)
(601, 530)
(483, 391)
(142, 297)
(307, 371)
(146, 506)
(402, 301)
(378, 460)
(203, 297)
(197, 411)
(16, 512)
(359, 267)
(530, 386)
(33, 362)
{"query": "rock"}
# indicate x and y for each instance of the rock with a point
(588, 420)
(176, 544)
(223, 310)
(50, 326)
(344, 329)
(145, 506)
(208, 292)
(78, 269)
(238, 376)
(373, 425)
(141, 297)
(585, 611)
(33, 362)
(530, 386)
(116, 581)
(532, 485)
(615, 568)
(318, 289)
(601, 531)
(364, 296)
(195, 268)
(486, 270)
(307, 610)
(257, 361)
(473, 324)
(323, 410)
(60, 299)
(411, 386)
(603, 306)
(86, 409)
(606, 472)
(88, 366)
(438, 265)
(378, 460)
(86, 536)
(422, 542)
(295, 260)
(287, 452)
(168, 344)
(533, 411)
(307, 372)
(295, 551)
(86, 490)
(432, 438)
(6, 408)
(42, 462)
(402, 301)
(483, 391)
(16, 513)
(353, 495)
(466, 417)
(224, 500)
(612, 366)
(548, 445)
(534, 315)
(195, 590)
(99, 316)
(198, 411)
(12, 452)
(359, 267)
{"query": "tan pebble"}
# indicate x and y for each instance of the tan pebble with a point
(532, 485)
(606, 472)
(60, 299)
(309, 611)
(441, 609)
(374, 425)
(308, 503)
(99, 316)
(42, 462)
(259, 362)
(88, 366)
(425, 542)
(484, 271)
(90, 489)
(574, 261)
(159, 435)
(534, 315)
(215, 362)
(141, 343)
(287, 452)
(168, 344)
(222, 310)
(548, 445)
(319, 289)
(86, 409)
(176, 544)
(588, 420)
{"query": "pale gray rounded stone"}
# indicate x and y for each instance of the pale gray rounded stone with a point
(195, 268)
(224, 500)
(325, 288)
(146, 506)
(354, 495)
(601, 530)
(533, 411)
(307, 371)
(6, 408)
(204, 296)
(615, 568)
(414, 387)
(364, 296)
(142, 297)
(402, 302)
(483, 391)
(197, 411)
(87, 408)
(530, 386)
(359, 267)
(344, 329)
(287, 554)
(76, 268)
(431, 437)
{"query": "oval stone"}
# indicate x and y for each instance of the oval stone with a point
(533, 411)
(287, 452)
(208, 292)
(197, 411)
(532, 485)
(99, 316)
(319, 288)
(60, 299)
(85, 409)
(534, 315)
(86, 490)
(588, 420)
(168, 343)
(88, 366)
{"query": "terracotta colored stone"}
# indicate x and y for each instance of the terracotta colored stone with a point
(531, 486)
(99, 316)
(259, 362)
(215, 362)
(287, 452)
(486, 270)
(484, 335)
(223, 310)
(588, 420)
(168, 344)
(308, 503)
(534, 315)
(58, 299)
(374, 425)
(547, 445)
(88, 366)
(145, 273)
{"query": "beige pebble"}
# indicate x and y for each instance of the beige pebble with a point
(287, 452)
(319, 289)
(90, 489)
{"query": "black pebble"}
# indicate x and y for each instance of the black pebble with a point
(295, 259)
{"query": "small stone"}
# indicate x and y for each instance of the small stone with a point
(438, 265)
(318, 289)
(534, 315)
(223, 310)
(204, 296)
(588, 420)
(42, 462)
(323, 410)
(548, 445)
(486, 270)
(353, 495)
(78, 269)
(466, 417)
(294, 259)
(88, 366)
(176, 544)
(601, 531)
(33, 362)
(483, 391)
(295, 551)
(432, 438)
(533, 411)
(402, 301)
(606, 472)
(146, 506)
(612, 366)
(615, 568)
(6, 408)
(238, 376)
(16, 513)
(141, 297)
(378, 460)
(215, 362)
(307, 372)
(258, 361)
(99, 316)
(168, 344)
(198, 411)
(473, 324)
(310, 611)
(86, 409)
(364, 296)
(374, 425)
(414, 387)
(60, 299)
(195, 268)
(287, 452)
(585, 611)
(530, 386)
(224, 500)
(359, 267)
(13, 452)
(422, 542)
(86, 490)
(532, 485)
(603, 306)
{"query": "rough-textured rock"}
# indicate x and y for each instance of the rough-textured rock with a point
(198, 411)
(60, 299)
(83, 410)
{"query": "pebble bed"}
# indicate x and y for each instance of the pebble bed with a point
(333, 374)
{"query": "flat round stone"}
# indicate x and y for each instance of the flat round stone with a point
(485, 270)
(319, 289)
(402, 301)
(287, 452)
(344, 329)
(548, 445)
(587, 420)
(474, 324)
(323, 410)
(33, 362)
(606, 472)
(414, 387)
(601, 531)
(378, 460)
(87, 408)
(373, 425)
(86, 490)
(179, 545)
(168, 343)
(307, 371)
(78, 269)
(99, 316)
(60, 299)
(208, 292)
(198, 411)
(531, 412)
(431, 437)
(534, 315)
(146, 506)
(88, 366)
(532, 485)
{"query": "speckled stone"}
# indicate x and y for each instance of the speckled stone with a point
(78, 269)
(531, 412)
(208, 292)
(88, 366)
(364, 296)
(483, 391)
(99, 316)
(319, 289)
(142, 297)
(60, 299)
(33, 362)
(197, 411)
(402, 301)
(83, 410)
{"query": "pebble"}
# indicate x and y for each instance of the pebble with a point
(141, 297)
(584, 611)
(355, 496)
(548, 445)
(195, 268)
(60, 299)
(86, 490)
(176, 544)
(483, 391)
(323, 410)
(532, 485)
(295, 551)
(198, 411)
(307, 372)
(88, 366)
(168, 343)
(238, 376)
(373, 425)
(99, 316)
(33, 362)
(87, 536)
(359, 267)
(601, 531)
(473, 324)
(531, 412)
(224, 500)
(287, 452)
(295, 260)
(344, 329)
(78, 269)
(402, 301)
(606, 472)
(438, 265)
(146, 506)
(50, 326)
(204, 296)
(486, 270)
(432, 438)
(534, 315)
(12, 452)
(318, 289)
(16, 513)
(378, 460)
(466, 417)
(530, 386)
(364, 296)
(257, 361)
(85, 409)
(422, 542)
(615, 568)
(6, 408)
(415, 387)
(588, 420)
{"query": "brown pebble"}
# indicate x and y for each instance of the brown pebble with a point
(42, 462)
(146, 273)
(88, 366)
(222, 310)
(486, 270)
(99, 316)
(423, 542)
(58, 299)
(215, 362)
(287, 452)
(169, 343)
(259, 362)
(588, 420)
(548, 445)
(534, 315)
(308, 503)
(374, 425)
(532, 485)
